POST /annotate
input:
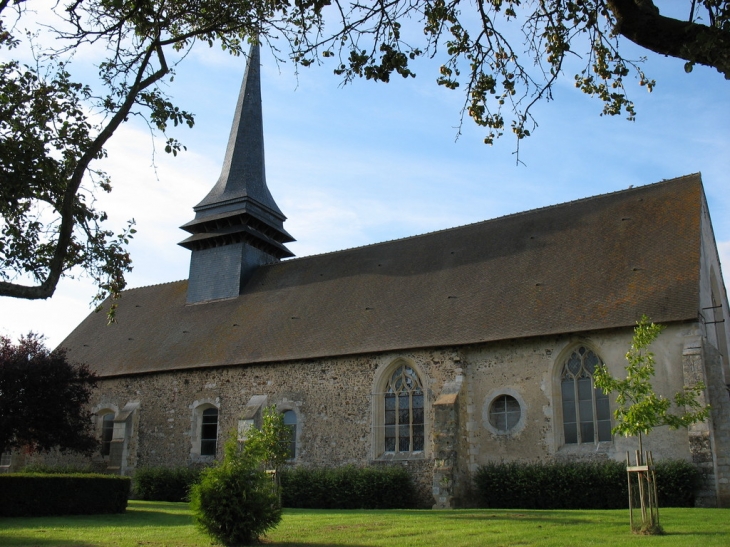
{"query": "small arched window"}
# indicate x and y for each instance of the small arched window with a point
(107, 433)
(209, 432)
(403, 412)
(290, 421)
(586, 411)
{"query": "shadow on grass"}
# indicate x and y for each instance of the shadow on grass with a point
(695, 533)
(40, 541)
(533, 515)
(302, 544)
(133, 517)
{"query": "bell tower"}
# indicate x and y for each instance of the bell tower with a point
(238, 226)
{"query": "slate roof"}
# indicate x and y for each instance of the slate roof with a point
(590, 264)
(243, 176)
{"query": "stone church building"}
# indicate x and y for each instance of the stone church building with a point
(439, 352)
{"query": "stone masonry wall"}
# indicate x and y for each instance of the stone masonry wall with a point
(333, 402)
(529, 370)
(332, 399)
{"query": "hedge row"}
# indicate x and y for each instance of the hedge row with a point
(39, 468)
(348, 488)
(578, 485)
(165, 483)
(35, 495)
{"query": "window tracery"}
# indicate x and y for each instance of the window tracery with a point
(404, 412)
(586, 410)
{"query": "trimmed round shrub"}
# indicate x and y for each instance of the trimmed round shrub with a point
(235, 502)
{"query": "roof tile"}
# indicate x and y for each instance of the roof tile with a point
(589, 264)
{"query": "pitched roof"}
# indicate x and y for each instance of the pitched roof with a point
(590, 264)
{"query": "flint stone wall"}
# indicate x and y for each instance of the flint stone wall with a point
(333, 401)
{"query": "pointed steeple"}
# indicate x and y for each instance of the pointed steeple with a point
(237, 226)
(243, 177)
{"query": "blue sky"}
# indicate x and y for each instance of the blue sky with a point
(370, 162)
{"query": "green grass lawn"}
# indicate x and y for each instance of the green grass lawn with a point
(157, 524)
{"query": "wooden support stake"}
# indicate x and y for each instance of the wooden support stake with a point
(650, 461)
(631, 501)
(642, 497)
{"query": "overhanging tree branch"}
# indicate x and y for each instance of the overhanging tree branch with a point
(641, 22)
(48, 141)
(67, 210)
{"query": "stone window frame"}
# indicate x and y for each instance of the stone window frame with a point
(559, 425)
(198, 407)
(486, 411)
(380, 381)
(99, 412)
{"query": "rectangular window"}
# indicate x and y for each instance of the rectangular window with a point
(107, 433)
(209, 432)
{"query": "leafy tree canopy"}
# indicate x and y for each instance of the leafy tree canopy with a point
(43, 398)
(503, 55)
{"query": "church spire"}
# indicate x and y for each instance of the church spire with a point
(237, 226)
(243, 176)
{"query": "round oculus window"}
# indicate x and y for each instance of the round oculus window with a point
(504, 413)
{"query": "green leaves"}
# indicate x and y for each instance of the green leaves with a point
(349, 487)
(43, 399)
(270, 443)
(504, 55)
(235, 502)
(640, 409)
(49, 227)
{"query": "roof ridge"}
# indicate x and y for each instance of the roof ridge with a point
(519, 213)
(154, 285)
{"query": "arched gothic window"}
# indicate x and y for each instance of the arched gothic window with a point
(403, 412)
(586, 412)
